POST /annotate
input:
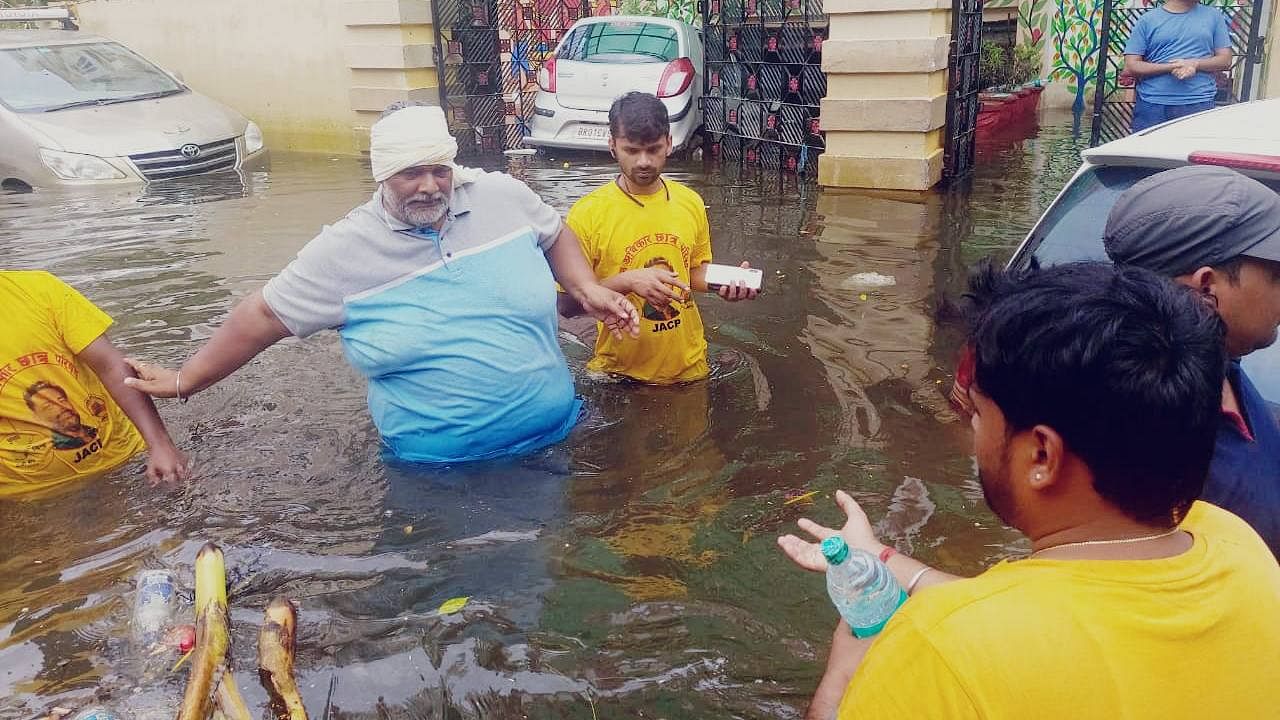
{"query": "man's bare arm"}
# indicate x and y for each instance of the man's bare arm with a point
(250, 328)
(1136, 66)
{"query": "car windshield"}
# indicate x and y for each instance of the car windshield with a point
(621, 42)
(1072, 231)
(53, 77)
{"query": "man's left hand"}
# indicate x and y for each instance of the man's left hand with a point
(614, 310)
(737, 290)
(857, 532)
(1184, 69)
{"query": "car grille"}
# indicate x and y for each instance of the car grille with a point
(166, 164)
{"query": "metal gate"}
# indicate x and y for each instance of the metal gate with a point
(1114, 92)
(963, 84)
(764, 82)
(488, 53)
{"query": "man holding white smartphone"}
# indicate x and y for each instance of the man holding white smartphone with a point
(648, 238)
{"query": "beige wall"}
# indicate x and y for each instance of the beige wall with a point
(312, 73)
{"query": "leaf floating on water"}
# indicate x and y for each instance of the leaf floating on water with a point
(453, 605)
(182, 660)
(863, 297)
(801, 498)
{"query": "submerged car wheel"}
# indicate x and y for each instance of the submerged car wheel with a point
(14, 185)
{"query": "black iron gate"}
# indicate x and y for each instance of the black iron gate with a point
(488, 53)
(764, 82)
(1114, 91)
(963, 84)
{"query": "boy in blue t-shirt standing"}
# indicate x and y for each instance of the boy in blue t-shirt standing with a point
(1174, 51)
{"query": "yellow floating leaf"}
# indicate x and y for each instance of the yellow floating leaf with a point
(801, 498)
(453, 605)
(182, 660)
(863, 297)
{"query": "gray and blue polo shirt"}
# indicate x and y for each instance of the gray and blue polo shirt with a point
(455, 331)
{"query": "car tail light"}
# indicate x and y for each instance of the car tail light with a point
(676, 78)
(547, 75)
(1237, 161)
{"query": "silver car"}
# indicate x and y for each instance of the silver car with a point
(602, 58)
(77, 109)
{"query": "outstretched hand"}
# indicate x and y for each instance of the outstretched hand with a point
(612, 309)
(856, 532)
(154, 380)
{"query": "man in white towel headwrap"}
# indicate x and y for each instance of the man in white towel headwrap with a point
(443, 290)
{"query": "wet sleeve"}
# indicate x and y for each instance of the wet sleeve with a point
(904, 676)
(1221, 33)
(543, 218)
(1137, 43)
(78, 321)
(307, 295)
(701, 243)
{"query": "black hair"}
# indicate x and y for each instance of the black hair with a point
(38, 386)
(1127, 366)
(639, 116)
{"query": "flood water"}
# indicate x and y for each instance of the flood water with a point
(629, 572)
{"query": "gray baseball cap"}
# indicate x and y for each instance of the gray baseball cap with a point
(1177, 221)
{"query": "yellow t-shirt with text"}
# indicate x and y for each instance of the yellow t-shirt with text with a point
(667, 229)
(1187, 637)
(57, 420)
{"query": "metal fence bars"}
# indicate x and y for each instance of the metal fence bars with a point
(764, 82)
(963, 85)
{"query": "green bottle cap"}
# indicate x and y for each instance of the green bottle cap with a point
(835, 550)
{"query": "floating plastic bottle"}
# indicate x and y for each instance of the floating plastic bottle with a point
(152, 607)
(861, 587)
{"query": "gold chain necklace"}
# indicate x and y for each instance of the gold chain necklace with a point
(1121, 541)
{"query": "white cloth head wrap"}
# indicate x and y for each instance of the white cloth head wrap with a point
(411, 136)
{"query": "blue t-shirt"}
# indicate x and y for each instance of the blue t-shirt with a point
(1161, 36)
(1245, 475)
(455, 331)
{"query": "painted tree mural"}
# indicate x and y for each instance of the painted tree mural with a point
(1077, 38)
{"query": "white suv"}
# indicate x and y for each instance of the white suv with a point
(603, 58)
(1244, 137)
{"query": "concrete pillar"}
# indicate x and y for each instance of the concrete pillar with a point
(886, 103)
(390, 50)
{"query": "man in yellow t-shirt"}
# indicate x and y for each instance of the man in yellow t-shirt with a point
(1096, 403)
(647, 237)
(65, 411)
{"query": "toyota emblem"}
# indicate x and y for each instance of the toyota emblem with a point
(190, 151)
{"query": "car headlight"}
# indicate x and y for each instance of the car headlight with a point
(252, 139)
(74, 166)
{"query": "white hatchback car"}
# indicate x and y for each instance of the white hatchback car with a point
(603, 58)
(1243, 137)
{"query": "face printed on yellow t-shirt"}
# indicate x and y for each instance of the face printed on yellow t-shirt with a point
(57, 420)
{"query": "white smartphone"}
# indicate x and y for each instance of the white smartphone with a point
(719, 276)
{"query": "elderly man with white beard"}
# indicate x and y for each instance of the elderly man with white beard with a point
(443, 290)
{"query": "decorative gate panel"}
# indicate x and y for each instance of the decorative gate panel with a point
(963, 84)
(1114, 91)
(764, 82)
(488, 53)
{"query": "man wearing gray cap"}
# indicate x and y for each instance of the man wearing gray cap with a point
(442, 288)
(1218, 232)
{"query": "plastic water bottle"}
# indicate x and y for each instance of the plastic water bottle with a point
(861, 587)
(152, 607)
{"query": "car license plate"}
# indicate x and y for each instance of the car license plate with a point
(592, 132)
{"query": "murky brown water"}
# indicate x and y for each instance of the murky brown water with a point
(630, 572)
